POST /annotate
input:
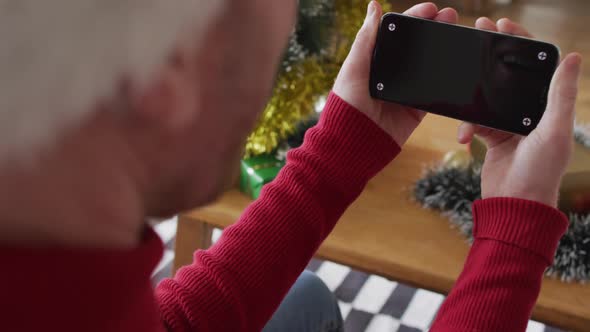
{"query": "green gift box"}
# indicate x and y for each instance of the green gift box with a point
(258, 171)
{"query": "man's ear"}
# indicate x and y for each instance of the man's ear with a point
(172, 98)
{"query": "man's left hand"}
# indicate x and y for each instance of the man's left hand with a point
(352, 84)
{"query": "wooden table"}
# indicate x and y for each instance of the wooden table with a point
(385, 233)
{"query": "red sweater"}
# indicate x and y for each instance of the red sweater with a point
(238, 283)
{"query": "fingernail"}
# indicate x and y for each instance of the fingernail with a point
(370, 9)
(460, 135)
(575, 63)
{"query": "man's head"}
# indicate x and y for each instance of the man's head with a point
(165, 91)
(217, 91)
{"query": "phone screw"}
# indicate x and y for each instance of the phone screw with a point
(526, 122)
(542, 56)
(380, 86)
(391, 27)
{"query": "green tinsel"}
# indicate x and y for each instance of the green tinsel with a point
(315, 25)
(312, 34)
(451, 191)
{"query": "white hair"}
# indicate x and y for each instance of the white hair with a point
(59, 57)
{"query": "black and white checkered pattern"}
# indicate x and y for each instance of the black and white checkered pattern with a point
(369, 303)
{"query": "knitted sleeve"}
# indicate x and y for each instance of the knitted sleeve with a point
(238, 283)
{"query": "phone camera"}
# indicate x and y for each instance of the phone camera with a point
(380, 86)
(527, 122)
(542, 56)
(392, 26)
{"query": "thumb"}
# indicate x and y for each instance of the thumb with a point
(363, 45)
(560, 114)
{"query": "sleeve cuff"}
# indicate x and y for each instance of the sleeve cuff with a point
(351, 138)
(526, 224)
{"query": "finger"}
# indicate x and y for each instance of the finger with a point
(447, 15)
(484, 23)
(507, 26)
(490, 136)
(560, 114)
(365, 40)
(465, 133)
(426, 10)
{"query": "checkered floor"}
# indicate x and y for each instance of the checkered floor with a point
(369, 303)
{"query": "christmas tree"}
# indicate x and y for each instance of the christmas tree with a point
(317, 48)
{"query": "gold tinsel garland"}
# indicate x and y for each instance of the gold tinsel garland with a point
(297, 90)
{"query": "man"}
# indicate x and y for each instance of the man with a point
(114, 112)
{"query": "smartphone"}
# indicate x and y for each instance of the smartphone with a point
(487, 78)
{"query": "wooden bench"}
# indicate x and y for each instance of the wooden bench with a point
(386, 233)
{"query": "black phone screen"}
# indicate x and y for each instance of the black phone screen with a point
(487, 78)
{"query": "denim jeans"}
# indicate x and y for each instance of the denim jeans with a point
(308, 307)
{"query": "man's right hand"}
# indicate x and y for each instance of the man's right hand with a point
(530, 167)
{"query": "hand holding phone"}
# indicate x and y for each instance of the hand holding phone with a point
(530, 167)
(492, 79)
(351, 85)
